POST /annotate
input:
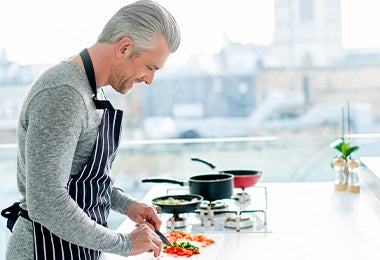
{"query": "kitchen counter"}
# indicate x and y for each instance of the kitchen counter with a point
(306, 221)
(373, 163)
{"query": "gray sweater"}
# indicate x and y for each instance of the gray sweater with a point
(57, 130)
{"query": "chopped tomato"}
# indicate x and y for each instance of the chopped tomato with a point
(182, 248)
(180, 251)
(175, 236)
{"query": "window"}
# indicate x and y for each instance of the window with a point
(236, 75)
(306, 10)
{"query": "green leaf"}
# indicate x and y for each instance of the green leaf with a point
(344, 147)
(350, 150)
(336, 143)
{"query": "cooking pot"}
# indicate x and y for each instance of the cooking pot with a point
(210, 186)
(242, 178)
(192, 202)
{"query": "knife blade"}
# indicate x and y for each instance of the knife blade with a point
(163, 238)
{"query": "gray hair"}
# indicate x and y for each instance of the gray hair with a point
(142, 21)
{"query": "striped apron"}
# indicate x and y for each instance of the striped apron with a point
(91, 188)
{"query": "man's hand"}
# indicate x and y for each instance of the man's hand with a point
(145, 240)
(144, 214)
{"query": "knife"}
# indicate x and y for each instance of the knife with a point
(163, 238)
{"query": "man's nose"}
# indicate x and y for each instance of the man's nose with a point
(148, 78)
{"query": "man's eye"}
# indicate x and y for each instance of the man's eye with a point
(150, 67)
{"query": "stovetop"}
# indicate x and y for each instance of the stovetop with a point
(244, 212)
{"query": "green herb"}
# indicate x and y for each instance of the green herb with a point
(186, 245)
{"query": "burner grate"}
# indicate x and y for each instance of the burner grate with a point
(214, 205)
(245, 212)
(176, 221)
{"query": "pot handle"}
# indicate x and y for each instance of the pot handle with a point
(203, 161)
(163, 180)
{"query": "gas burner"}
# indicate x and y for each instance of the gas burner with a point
(176, 221)
(213, 205)
(244, 212)
(239, 221)
(242, 197)
(210, 208)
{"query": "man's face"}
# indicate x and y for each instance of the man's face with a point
(139, 68)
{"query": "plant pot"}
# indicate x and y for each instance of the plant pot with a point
(341, 173)
(353, 176)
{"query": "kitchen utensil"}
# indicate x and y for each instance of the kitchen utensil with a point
(193, 202)
(163, 238)
(210, 186)
(242, 178)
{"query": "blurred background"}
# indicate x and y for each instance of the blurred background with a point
(261, 84)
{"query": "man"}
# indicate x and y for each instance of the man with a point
(65, 146)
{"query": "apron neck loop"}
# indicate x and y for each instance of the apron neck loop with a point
(89, 70)
(99, 104)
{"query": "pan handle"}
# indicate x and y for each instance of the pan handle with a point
(164, 180)
(203, 161)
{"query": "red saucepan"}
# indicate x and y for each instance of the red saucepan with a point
(242, 178)
(189, 203)
(210, 186)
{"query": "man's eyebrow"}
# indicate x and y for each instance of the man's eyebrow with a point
(153, 67)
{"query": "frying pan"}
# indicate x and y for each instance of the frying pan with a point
(210, 186)
(242, 178)
(193, 202)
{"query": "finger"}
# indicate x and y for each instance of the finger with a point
(157, 246)
(149, 230)
(154, 220)
(146, 223)
(150, 225)
(157, 222)
(155, 243)
(145, 240)
(140, 225)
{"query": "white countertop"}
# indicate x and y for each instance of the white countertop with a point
(371, 174)
(308, 221)
(373, 163)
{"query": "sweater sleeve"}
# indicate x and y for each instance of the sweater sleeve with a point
(56, 118)
(120, 201)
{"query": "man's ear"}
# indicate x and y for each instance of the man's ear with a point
(124, 47)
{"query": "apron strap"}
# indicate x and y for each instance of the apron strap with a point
(89, 68)
(12, 213)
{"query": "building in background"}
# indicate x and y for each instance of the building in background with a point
(308, 33)
(295, 85)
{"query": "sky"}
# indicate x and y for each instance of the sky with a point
(47, 31)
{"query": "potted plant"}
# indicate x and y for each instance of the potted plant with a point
(344, 147)
(343, 163)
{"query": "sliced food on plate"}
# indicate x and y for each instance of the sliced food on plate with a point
(185, 244)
